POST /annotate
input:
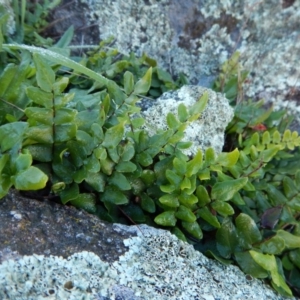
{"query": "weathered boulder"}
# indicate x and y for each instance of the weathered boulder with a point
(207, 131)
(73, 255)
(196, 36)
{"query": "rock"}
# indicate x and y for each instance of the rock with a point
(73, 255)
(196, 36)
(207, 131)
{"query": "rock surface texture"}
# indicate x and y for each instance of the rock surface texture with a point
(128, 262)
(207, 131)
(196, 36)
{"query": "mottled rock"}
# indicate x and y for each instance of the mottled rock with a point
(47, 228)
(207, 131)
(150, 263)
(196, 36)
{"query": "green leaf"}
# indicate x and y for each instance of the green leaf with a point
(120, 181)
(297, 178)
(224, 191)
(147, 203)
(4, 158)
(209, 156)
(114, 195)
(172, 121)
(187, 200)
(64, 115)
(169, 200)
(126, 167)
(247, 230)
(100, 153)
(291, 241)
(92, 164)
(274, 245)
(194, 165)
(268, 262)
(206, 215)
(173, 178)
(41, 115)
(166, 218)
(143, 85)
(295, 257)
(204, 174)
(85, 201)
(11, 134)
(184, 145)
(144, 159)
(45, 76)
(134, 212)
(148, 177)
(107, 166)
(223, 208)
(249, 266)
(227, 238)
(164, 75)
(185, 214)
(69, 193)
(237, 199)
(200, 105)
(41, 134)
(276, 197)
(23, 161)
(65, 132)
(66, 38)
(96, 181)
(128, 152)
(268, 154)
(180, 166)
(202, 195)
(60, 85)
(193, 228)
(179, 234)
(128, 82)
(5, 185)
(228, 159)
(289, 187)
(40, 97)
(185, 184)
(62, 60)
(30, 179)
(113, 135)
(114, 154)
(137, 122)
(182, 113)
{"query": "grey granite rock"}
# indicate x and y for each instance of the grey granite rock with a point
(63, 263)
(207, 131)
(196, 36)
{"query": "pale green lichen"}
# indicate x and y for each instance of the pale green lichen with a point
(207, 131)
(157, 266)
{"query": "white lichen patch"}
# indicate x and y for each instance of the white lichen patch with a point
(157, 266)
(81, 276)
(266, 32)
(207, 131)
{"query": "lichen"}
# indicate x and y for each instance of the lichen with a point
(156, 266)
(207, 131)
(78, 277)
(266, 32)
